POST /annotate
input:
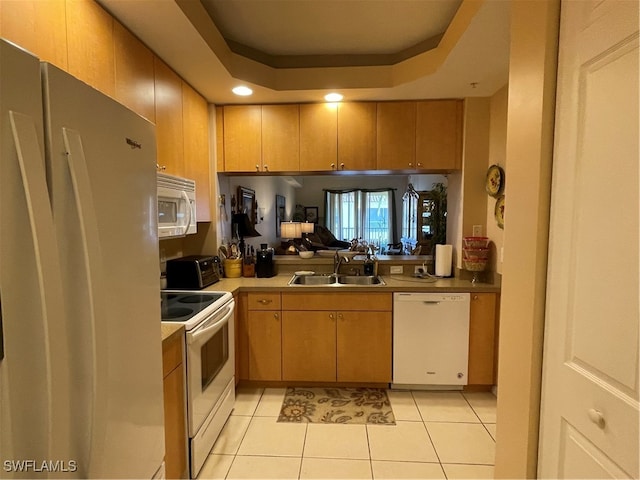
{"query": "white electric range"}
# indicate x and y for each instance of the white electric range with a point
(208, 321)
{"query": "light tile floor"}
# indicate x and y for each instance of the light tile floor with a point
(444, 435)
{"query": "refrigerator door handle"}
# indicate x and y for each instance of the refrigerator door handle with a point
(47, 272)
(92, 253)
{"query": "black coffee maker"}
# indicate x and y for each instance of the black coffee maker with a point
(264, 262)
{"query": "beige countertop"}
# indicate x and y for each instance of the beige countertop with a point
(394, 283)
(169, 330)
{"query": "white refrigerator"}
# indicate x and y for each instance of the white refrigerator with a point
(81, 355)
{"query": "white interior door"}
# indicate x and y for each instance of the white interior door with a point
(589, 414)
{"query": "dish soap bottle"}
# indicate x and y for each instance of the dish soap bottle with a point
(368, 265)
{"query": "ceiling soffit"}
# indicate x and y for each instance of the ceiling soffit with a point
(339, 70)
(325, 33)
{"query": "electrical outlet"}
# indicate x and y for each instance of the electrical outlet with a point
(396, 269)
(477, 230)
(418, 269)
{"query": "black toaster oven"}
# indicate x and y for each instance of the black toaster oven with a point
(192, 273)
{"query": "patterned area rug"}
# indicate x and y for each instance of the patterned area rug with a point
(337, 405)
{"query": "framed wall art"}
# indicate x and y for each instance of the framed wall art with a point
(311, 214)
(247, 203)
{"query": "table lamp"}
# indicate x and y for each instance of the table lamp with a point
(307, 228)
(291, 230)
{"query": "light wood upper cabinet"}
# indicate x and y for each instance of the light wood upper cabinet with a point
(396, 140)
(37, 26)
(90, 45)
(242, 138)
(195, 120)
(439, 134)
(219, 139)
(356, 136)
(318, 137)
(280, 138)
(133, 73)
(482, 334)
(309, 346)
(364, 346)
(169, 136)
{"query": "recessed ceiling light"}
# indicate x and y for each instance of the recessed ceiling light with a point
(242, 91)
(333, 97)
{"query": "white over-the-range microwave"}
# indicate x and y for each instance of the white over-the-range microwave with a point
(176, 206)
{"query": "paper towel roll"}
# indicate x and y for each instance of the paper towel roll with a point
(443, 260)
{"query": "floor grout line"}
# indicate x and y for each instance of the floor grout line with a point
(371, 460)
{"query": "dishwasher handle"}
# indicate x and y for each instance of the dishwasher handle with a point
(431, 302)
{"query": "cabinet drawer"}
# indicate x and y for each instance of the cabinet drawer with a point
(263, 301)
(336, 301)
(171, 354)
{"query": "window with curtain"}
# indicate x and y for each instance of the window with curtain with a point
(362, 214)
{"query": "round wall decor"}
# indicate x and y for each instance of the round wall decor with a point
(494, 183)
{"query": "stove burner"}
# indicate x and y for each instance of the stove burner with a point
(176, 312)
(184, 306)
(206, 299)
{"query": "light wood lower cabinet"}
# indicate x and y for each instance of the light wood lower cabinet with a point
(175, 429)
(328, 337)
(364, 347)
(264, 332)
(482, 338)
(309, 346)
(345, 345)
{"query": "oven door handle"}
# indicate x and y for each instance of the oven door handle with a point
(210, 327)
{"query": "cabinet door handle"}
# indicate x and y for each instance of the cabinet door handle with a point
(266, 168)
(331, 316)
(333, 166)
(597, 417)
(475, 297)
(265, 301)
(410, 164)
(340, 316)
(419, 164)
(276, 316)
(257, 168)
(342, 166)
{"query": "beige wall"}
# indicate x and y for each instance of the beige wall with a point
(466, 196)
(497, 156)
(531, 102)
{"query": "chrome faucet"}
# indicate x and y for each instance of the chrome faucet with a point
(337, 261)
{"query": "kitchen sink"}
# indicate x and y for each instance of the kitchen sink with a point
(360, 280)
(336, 280)
(313, 280)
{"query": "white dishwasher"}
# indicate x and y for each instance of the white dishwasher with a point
(430, 340)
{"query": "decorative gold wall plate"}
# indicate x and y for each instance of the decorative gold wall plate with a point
(495, 181)
(499, 211)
